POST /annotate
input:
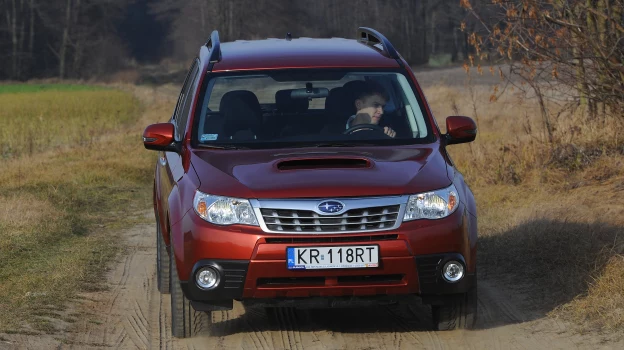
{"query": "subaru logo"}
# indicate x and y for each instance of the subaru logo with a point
(330, 207)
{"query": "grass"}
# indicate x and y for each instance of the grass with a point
(57, 202)
(551, 213)
(26, 88)
(440, 60)
(604, 303)
(38, 121)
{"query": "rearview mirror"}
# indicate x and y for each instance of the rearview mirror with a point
(460, 130)
(309, 93)
(159, 137)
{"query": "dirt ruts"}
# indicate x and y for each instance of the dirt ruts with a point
(133, 315)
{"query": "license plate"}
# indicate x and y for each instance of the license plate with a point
(337, 257)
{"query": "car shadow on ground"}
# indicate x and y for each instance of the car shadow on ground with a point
(538, 266)
(521, 278)
(392, 318)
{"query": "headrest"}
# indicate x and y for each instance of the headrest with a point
(249, 97)
(241, 111)
(287, 104)
(339, 106)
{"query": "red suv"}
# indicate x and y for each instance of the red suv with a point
(310, 173)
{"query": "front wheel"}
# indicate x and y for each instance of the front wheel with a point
(162, 261)
(459, 312)
(185, 321)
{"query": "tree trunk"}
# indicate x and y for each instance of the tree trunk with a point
(424, 48)
(405, 16)
(13, 25)
(203, 16)
(64, 40)
(78, 46)
(31, 38)
(465, 45)
(434, 36)
(20, 41)
(580, 77)
(603, 7)
(455, 47)
(230, 20)
(543, 110)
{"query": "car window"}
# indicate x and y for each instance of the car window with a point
(185, 102)
(295, 108)
(265, 88)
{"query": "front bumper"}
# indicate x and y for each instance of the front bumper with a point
(253, 263)
(243, 280)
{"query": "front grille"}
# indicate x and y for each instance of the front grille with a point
(338, 239)
(354, 220)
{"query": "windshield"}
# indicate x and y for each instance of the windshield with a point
(294, 108)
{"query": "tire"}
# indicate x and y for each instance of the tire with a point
(458, 313)
(185, 321)
(163, 261)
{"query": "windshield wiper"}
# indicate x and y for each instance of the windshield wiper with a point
(228, 147)
(337, 144)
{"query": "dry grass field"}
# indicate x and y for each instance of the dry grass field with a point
(73, 168)
(551, 216)
(38, 120)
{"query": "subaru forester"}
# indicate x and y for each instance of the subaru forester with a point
(281, 183)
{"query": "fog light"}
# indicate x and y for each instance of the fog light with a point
(207, 278)
(453, 271)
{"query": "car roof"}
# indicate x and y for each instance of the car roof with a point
(300, 53)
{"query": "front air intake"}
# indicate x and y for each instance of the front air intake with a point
(324, 163)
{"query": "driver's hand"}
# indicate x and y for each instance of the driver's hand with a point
(389, 131)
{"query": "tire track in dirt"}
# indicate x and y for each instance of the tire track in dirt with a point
(285, 327)
(118, 319)
(257, 334)
(134, 315)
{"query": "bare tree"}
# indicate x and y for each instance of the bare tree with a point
(579, 44)
(19, 16)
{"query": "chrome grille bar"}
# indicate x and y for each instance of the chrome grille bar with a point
(304, 216)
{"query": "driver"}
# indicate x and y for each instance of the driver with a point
(370, 98)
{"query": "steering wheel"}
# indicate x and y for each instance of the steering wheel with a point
(373, 127)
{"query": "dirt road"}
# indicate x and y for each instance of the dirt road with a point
(133, 315)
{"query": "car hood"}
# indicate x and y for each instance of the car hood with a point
(314, 173)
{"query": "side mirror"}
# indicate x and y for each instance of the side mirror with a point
(460, 130)
(160, 137)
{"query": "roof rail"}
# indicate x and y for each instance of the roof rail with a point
(371, 37)
(214, 45)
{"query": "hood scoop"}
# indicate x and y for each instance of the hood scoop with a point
(324, 163)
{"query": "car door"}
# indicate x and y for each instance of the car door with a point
(170, 163)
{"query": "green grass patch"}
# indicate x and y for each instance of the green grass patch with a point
(28, 88)
(35, 122)
(61, 213)
(440, 60)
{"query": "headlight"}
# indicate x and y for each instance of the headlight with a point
(432, 205)
(224, 210)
